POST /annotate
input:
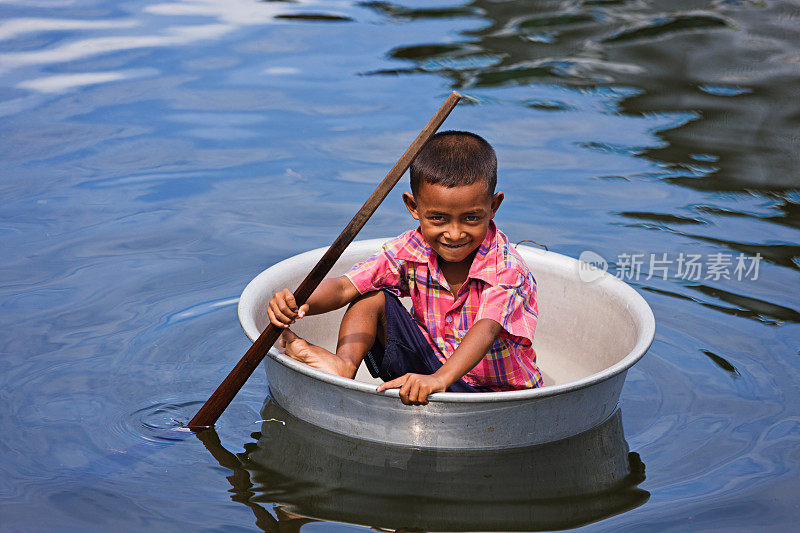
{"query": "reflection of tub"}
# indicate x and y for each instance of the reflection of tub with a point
(589, 334)
(323, 475)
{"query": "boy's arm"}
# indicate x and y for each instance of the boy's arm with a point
(415, 388)
(330, 294)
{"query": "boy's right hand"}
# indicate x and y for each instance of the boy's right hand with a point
(283, 310)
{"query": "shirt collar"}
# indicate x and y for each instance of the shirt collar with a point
(415, 248)
(484, 265)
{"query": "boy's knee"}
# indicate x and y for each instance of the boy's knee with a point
(371, 307)
(372, 304)
(374, 299)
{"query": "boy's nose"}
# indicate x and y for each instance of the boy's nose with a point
(454, 233)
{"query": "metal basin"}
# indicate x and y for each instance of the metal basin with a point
(589, 334)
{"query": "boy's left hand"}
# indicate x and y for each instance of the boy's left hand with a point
(415, 388)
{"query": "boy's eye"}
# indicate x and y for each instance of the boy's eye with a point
(472, 218)
(436, 218)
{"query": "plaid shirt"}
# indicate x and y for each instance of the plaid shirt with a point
(499, 286)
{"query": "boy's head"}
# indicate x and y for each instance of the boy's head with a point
(455, 158)
(453, 180)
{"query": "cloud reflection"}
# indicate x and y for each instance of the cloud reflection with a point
(226, 18)
(231, 12)
(175, 35)
(20, 26)
(63, 82)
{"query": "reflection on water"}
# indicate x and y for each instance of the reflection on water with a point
(762, 311)
(718, 61)
(312, 473)
(156, 155)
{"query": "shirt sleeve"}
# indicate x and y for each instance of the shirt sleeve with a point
(512, 304)
(381, 271)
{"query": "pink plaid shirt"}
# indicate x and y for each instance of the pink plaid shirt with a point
(499, 286)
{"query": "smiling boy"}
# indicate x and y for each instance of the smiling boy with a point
(473, 298)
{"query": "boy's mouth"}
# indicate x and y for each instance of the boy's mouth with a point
(454, 246)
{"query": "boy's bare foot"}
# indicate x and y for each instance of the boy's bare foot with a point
(314, 356)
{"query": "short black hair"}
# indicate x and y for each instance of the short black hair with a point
(455, 158)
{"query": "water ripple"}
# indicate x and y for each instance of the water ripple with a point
(198, 310)
(669, 25)
(318, 17)
(160, 422)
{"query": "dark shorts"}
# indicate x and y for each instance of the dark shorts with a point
(406, 349)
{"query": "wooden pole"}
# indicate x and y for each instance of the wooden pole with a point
(222, 397)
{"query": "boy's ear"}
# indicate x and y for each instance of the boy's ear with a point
(411, 204)
(497, 199)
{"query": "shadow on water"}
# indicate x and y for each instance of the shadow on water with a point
(309, 473)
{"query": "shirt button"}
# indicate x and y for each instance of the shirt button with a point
(449, 320)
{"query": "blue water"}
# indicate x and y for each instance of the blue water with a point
(154, 157)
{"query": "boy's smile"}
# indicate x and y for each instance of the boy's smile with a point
(453, 220)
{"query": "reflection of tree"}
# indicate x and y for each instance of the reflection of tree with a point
(723, 69)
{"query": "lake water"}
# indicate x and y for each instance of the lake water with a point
(155, 156)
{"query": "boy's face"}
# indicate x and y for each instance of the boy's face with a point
(453, 220)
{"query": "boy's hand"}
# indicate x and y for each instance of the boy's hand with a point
(283, 310)
(415, 388)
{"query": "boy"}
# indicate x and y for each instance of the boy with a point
(473, 298)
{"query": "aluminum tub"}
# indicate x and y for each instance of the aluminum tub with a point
(589, 334)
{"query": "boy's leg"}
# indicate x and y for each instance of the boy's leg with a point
(362, 324)
(400, 348)
(364, 320)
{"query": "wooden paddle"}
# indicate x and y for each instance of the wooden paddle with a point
(219, 401)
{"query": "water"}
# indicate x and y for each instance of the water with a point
(157, 156)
